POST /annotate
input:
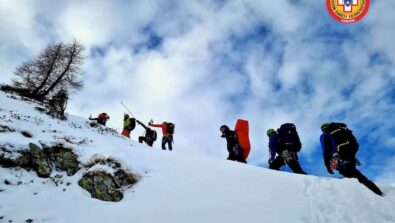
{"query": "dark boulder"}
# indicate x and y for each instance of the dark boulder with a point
(101, 186)
(65, 160)
(40, 161)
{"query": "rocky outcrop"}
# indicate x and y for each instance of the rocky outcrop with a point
(64, 160)
(101, 185)
(24, 160)
(40, 161)
(124, 179)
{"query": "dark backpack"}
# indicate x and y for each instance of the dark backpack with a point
(170, 128)
(289, 138)
(132, 124)
(151, 134)
(346, 143)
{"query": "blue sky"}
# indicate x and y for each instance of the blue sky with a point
(202, 64)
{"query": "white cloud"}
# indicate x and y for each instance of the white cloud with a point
(18, 35)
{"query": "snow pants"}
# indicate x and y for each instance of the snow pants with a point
(293, 164)
(168, 139)
(126, 133)
(350, 170)
(236, 154)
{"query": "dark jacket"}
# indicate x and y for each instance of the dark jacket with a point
(329, 148)
(231, 140)
(233, 146)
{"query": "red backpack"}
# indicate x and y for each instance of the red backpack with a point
(242, 131)
(103, 116)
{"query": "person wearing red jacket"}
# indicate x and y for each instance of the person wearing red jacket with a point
(168, 131)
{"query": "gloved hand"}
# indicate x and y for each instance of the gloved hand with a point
(270, 161)
(334, 163)
(329, 170)
(151, 121)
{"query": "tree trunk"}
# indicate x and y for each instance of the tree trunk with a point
(35, 92)
(66, 69)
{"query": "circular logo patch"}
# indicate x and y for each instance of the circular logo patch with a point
(348, 11)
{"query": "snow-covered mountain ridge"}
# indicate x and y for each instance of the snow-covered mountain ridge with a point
(173, 187)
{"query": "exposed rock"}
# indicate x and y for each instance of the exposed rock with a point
(8, 156)
(7, 182)
(26, 134)
(24, 160)
(4, 128)
(124, 179)
(56, 180)
(65, 160)
(7, 162)
(40, 109)
(101, 185)
(40, 161)
(96, 159)
(99, 182)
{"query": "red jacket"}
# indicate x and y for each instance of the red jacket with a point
(163, 126)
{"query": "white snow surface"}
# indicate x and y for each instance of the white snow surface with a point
(173, 187)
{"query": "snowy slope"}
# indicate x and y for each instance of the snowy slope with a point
(173, 187)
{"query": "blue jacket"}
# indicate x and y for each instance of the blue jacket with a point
(274, 145)
(328, 146)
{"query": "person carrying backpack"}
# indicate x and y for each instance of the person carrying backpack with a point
(339, 147)
(101, 118)
(284, 144)
(233, 145)
(128, 125)
(149, 136)
(168, 132)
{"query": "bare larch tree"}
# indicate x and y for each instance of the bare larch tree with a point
(56, 69)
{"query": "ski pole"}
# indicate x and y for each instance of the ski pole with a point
(127, 109)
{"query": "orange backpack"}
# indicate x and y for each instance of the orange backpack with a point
(242, 131)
